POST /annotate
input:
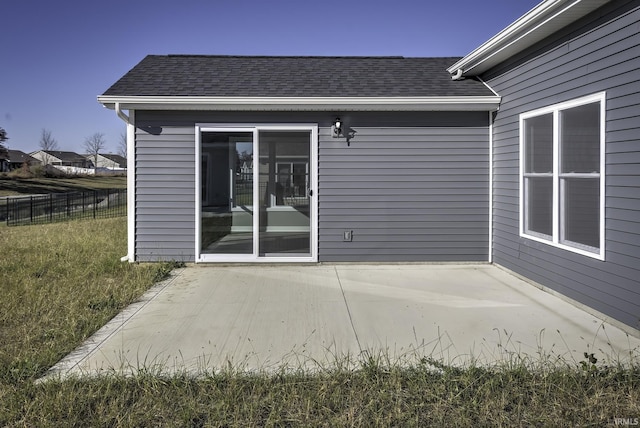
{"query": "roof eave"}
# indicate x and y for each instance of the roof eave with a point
(540, 22)
(459, 103)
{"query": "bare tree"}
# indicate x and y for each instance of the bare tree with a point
(93, 145)
(122, 145)
(47, 143)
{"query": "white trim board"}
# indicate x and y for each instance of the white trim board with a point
(461, 103)
(543, 20)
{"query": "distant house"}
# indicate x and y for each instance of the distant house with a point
(525, 153)
(4, 160)
(18, 158)
(107, 160)
(246, 167)
(61, 158)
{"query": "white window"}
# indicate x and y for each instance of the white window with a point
(292, 181)
(562, 175)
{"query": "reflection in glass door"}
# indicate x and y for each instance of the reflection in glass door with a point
(256, 193)
(226, 222)
(284, 192)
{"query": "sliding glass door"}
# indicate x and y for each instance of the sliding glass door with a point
(284, 194)
(226, 215)
(256, 193)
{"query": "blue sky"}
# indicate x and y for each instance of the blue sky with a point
(57, 56)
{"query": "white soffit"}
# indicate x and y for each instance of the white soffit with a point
(462, 103)
(540, 22)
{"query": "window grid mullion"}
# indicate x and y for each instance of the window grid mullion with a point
(558, 212)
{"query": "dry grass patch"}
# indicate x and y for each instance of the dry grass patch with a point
(61, 282)
(372, 395)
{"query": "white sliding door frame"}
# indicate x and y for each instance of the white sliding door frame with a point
(313, 194)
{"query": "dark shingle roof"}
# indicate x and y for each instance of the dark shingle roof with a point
(17, 156)
(65, 156)
(121, 161)
(264, 76)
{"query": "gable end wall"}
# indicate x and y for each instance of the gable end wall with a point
(598, 53)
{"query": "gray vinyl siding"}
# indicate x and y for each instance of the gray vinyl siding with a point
(165, 193)
(598, 53)
(407, 193)
(411, 186)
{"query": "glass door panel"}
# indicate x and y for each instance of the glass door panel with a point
(284, 216)
(226, 176)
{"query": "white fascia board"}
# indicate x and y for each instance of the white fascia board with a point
(479, 103)
(540, 22)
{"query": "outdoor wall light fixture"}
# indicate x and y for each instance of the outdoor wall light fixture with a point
(336, 128)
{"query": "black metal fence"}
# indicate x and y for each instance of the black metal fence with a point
(40, 209)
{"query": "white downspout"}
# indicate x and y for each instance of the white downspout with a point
(490, 187)
(491, 173)
(131, 134)
(122, 116)
(458, 75)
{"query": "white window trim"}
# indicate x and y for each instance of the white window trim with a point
(313, 176)
(597, 253)
(131, 188)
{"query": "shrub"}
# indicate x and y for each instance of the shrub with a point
(23, 172)
(38, 171)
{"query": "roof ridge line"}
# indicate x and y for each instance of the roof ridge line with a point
(359, 57)
(283, 56)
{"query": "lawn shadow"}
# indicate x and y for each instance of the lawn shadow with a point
(33, 186)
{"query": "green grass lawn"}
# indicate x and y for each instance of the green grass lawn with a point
(61, 282)
(13, 186)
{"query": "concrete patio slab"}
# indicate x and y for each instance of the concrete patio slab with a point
(208, 318)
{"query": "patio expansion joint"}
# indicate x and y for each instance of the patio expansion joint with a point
(346, 304)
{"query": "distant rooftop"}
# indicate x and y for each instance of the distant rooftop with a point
(62, 155)
(18, 156)
(114, 157)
